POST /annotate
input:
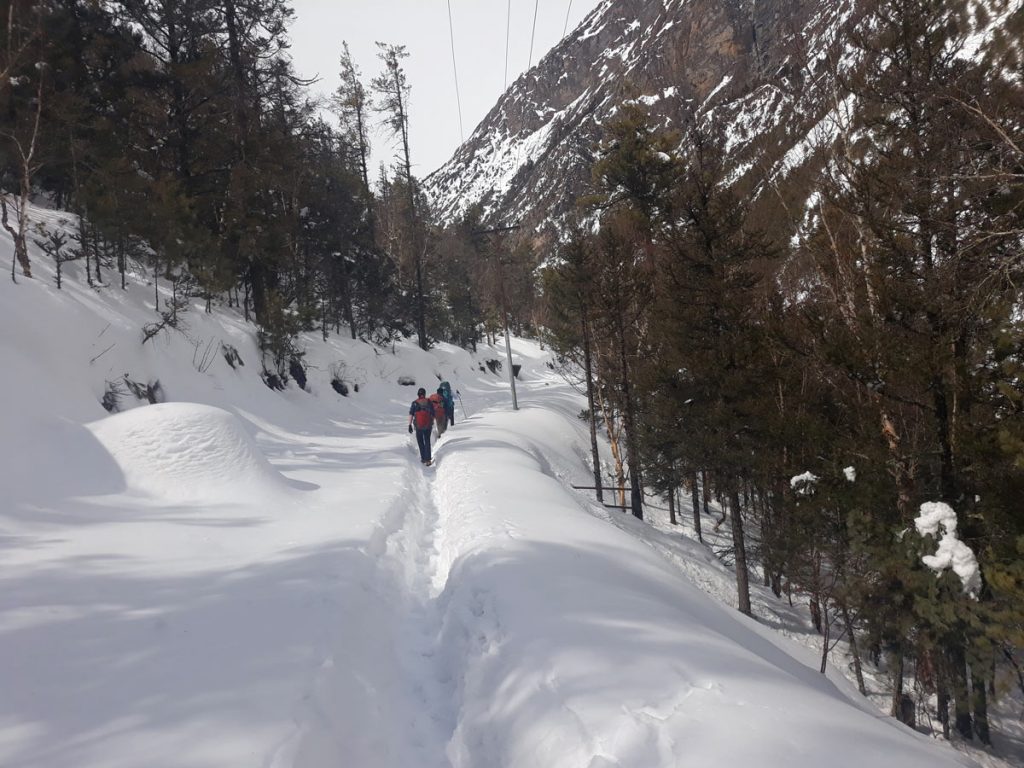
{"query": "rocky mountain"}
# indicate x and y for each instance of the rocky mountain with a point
(763, 70)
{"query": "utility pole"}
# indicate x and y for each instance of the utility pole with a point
(504, 311)
(508, 344)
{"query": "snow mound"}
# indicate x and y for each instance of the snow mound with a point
(186, 451)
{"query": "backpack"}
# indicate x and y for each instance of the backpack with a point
(438, 402)
(445, 390)
(423, 413)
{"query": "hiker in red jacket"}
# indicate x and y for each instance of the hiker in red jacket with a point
(421, 413)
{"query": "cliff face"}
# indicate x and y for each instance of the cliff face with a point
(756, 66)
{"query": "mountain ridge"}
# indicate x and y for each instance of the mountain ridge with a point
(766, 72)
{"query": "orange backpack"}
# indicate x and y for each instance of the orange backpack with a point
(438, 403)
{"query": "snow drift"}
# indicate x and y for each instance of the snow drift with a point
(185, 451)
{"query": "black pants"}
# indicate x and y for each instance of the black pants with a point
(423, 441)
(450, 413)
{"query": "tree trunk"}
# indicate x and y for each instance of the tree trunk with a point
(85, 244)
(739, 548)
(122, 263)
(980, 705)
(324, 319)
(941, 694)
(25, 184)
(10, 230)
(99, 259)
(672, 507)
(858, 670)
(705, 491)
(588, 372)
(608, 415)
(897, 683)
(947, 474)
(636, 497)
(961, 694)
(826, 635)
(814, 606)
(695, 500)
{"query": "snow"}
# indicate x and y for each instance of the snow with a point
(850, 473)
(803, 483)
(952, 553)
(256, 578)
(722, 84)
(184, 451)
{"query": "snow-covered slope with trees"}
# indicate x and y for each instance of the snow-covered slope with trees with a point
(240, 576)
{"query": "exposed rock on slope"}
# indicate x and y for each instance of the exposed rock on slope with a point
(763, 70)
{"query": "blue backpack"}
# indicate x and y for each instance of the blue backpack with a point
(445, 391)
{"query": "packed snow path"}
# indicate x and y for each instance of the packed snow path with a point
(386, 672)
(241, 577)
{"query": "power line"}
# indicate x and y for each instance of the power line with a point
(536, 3)
(508, 26)
(567, 12)
(455, 70)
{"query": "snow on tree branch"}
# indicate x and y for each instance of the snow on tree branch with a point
(952, 553)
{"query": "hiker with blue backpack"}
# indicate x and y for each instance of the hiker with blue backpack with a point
(445, 391)
(421, 414)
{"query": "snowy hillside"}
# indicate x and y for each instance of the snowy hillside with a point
(765, 73)
(530, 157)
(244, 577)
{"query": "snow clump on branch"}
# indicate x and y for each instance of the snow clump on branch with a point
(803, 484)
(952, 553)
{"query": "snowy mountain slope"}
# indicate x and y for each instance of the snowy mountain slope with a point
(679, 57)
(246, 577)
(763, 72)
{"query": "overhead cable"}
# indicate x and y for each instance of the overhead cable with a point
(536, 3)
(508, 26)
(455, 71)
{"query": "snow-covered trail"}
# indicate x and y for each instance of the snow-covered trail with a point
(241, 577)
(380, 699)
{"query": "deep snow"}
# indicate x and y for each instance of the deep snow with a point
(241, 577)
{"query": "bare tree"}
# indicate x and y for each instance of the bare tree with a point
(25, 150)
(393, 88)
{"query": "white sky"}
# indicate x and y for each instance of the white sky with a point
(320, 27)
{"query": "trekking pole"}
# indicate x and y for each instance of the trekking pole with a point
(459, 395)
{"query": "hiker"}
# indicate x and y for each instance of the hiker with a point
(421, 413)
(445, 391)
(440, 415)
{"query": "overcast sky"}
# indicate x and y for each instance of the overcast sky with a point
(320, 27)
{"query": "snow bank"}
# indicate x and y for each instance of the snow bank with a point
(570, 642)
(186, 451)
